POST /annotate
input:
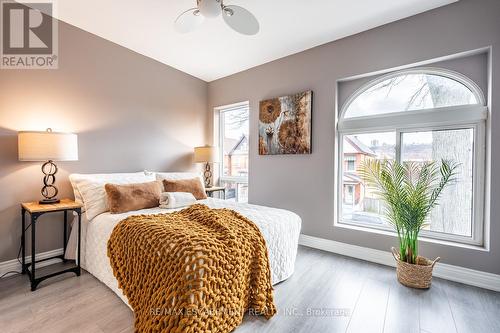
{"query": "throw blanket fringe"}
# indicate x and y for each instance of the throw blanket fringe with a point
(195, 270)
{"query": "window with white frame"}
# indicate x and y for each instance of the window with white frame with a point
(233, 123)
(419, 115)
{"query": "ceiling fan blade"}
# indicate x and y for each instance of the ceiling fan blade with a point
(241, 20)
(188, 21)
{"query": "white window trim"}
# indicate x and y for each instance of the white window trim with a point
(451, 115)
(218, 130)
(465, 116)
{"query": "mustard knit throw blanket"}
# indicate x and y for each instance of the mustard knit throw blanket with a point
(195, 270)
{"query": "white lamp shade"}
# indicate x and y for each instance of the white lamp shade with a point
(44, 146)
(206, 154)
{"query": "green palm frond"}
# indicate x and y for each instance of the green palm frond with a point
(410, 190)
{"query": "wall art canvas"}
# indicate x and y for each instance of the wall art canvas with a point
(285, 125)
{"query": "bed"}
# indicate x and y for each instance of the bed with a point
(280, 228)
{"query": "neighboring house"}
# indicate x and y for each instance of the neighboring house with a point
(236, 157)
(235, 176)
(355, 153)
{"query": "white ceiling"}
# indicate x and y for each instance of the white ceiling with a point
(214, 50)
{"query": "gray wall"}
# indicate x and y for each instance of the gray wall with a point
(130, 113)
(305, 184)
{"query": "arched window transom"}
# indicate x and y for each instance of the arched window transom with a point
(413, 90)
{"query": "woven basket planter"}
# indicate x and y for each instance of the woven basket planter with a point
(414, 276)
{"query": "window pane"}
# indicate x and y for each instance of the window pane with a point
(234, 141)
(453, 215)
(236, 190)
(359, 204)
(410, 92)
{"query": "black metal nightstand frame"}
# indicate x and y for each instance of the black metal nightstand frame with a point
(30, 268)
(210, 194)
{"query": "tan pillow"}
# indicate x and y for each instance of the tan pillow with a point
(128, 197)
(193, 185)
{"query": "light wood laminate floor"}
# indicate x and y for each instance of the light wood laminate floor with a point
(327, 293)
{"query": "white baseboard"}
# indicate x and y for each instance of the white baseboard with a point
(14, 265)
(449, 272)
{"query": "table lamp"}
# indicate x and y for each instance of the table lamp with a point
(47, 146)
(206, 154)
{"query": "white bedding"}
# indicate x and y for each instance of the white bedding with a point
(280, 228)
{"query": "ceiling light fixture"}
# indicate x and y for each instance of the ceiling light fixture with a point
(236, 17)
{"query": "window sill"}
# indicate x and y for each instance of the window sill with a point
(349, 226)
(234, 179)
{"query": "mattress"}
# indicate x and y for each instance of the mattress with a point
(280, 228)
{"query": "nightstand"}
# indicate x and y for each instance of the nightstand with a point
(210, 191)
(35, 210)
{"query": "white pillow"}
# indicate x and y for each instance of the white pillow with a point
(89, 188)
(76, 177)
(180, 175)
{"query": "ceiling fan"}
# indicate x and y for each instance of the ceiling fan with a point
(236, 17)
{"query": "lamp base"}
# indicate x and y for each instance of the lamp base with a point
(49, 191)
(49, 201)
(208, 175)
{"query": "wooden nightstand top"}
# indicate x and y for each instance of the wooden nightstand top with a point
(214, 188)
(35, 207)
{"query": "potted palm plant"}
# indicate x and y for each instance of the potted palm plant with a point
(410, 191)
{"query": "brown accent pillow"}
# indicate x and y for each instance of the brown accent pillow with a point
(128, 197)
(194, 186)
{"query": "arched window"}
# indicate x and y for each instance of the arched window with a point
(420, 115)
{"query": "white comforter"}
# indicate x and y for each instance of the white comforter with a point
(280, 228)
